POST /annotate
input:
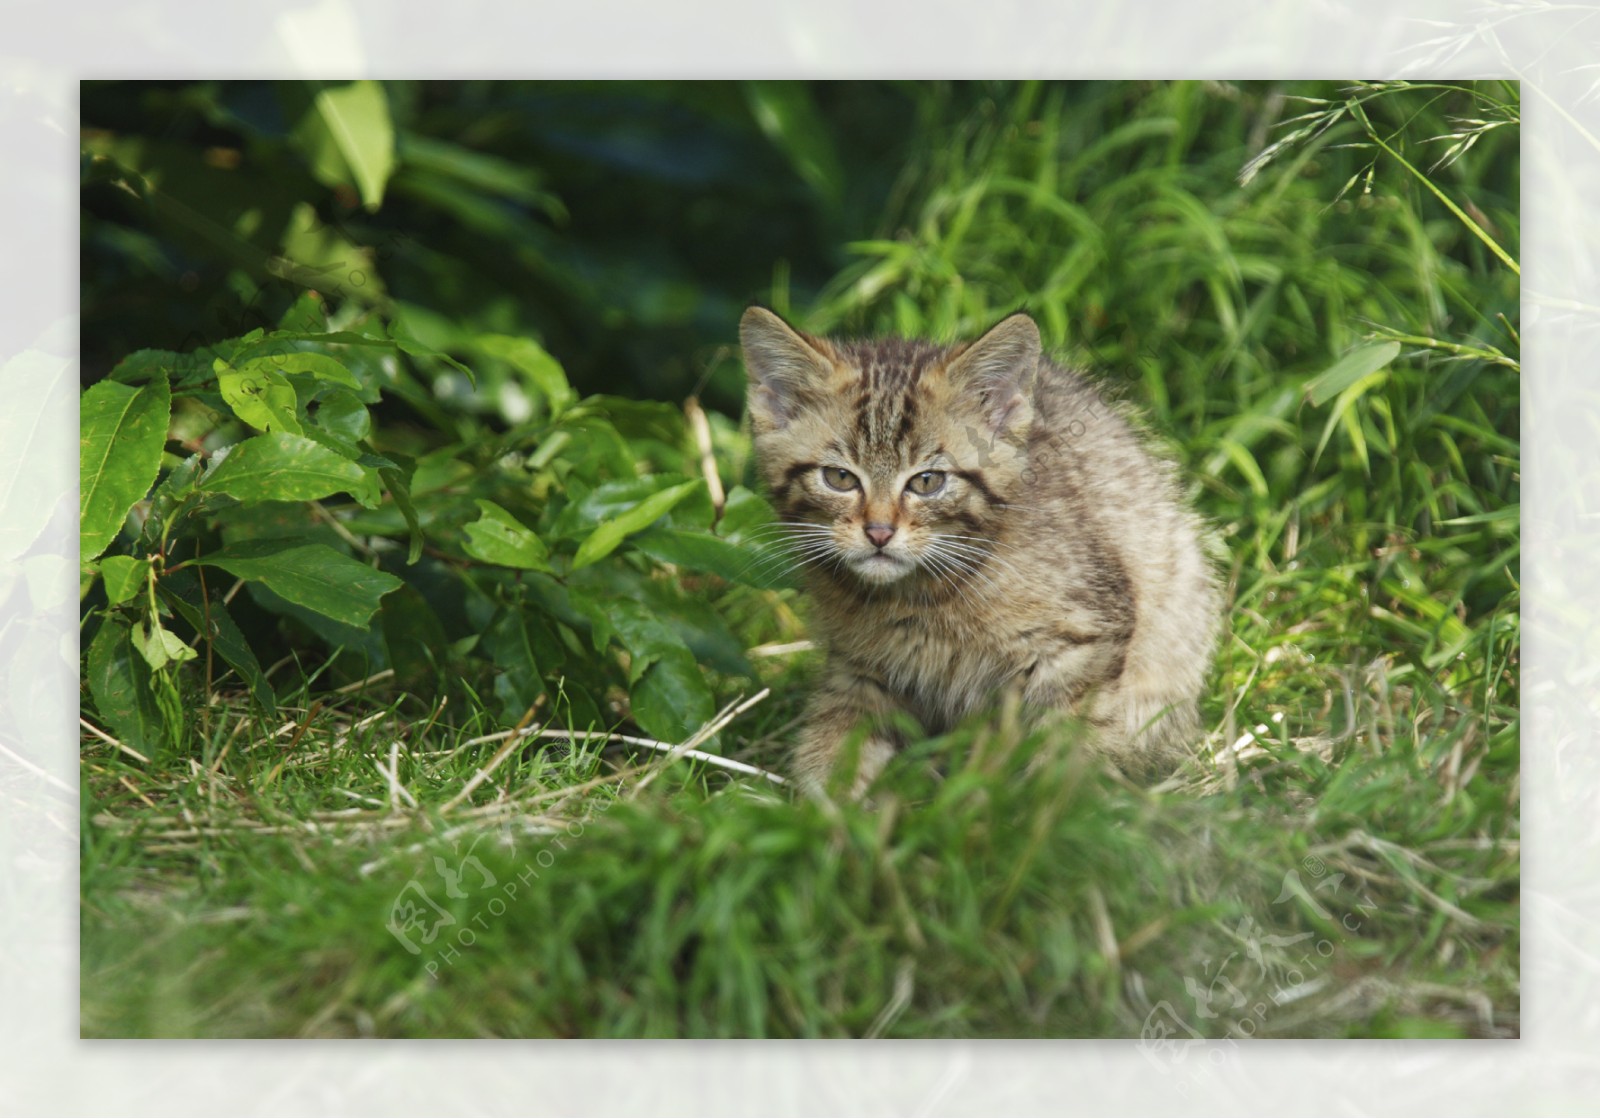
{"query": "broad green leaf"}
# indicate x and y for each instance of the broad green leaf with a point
(532, 361)
(160, 646)
(258, 395)
(1349, 369)
(350, 139)
(181, 370)
(700, 551)
(343, 414)
(415, 640)
(283, 467)
(646, 637)
(313, 576)
(341, 446)
(119, 682)
(574, 608)
(121, 431)
(498, 537)
(509, 644)
(213, 623)
(588, 508)
(307, 313)
(743, 514)
(297, 363)
(351, 338)
(670, 700)
(604, 539)
(124, 577)
(175, 489)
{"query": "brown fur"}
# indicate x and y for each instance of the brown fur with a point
(1056, 558)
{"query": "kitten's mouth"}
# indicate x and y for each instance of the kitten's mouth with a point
(881, 567)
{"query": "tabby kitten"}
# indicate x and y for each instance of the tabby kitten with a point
(973, 518)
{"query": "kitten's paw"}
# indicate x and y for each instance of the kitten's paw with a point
(817, 773)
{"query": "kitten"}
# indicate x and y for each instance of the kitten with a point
(972, 518)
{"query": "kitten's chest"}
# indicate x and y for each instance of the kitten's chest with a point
(941, 666)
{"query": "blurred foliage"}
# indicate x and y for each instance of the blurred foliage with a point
(623, 224)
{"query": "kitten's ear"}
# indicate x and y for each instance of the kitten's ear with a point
(785, 368)
(999, 369)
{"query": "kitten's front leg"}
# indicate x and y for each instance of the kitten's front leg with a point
(1142, 732)
(844, 701)
(1064, 678)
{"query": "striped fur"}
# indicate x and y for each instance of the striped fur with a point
(1055, 557)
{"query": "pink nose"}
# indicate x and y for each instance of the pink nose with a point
(880, 534)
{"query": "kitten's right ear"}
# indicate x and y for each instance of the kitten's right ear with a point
(999, 369)
(785, 368)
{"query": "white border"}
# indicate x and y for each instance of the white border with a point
(1550, 46)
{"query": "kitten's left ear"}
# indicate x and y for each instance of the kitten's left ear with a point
(1000, 369)
(787, 370)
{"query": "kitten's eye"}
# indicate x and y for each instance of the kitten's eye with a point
(840, 479)
(928, 482)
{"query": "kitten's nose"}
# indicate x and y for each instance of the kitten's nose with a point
(880, 534)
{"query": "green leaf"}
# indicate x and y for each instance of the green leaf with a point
(745, 513)
(160, 646)
(119, 682)
(414, 639)
(510, 645)
(343, 414)
(351, 338)
(398, 479)
(259, 396)
(498, 537)
(293, 363)
(646, 635)
(169, 497)
(670, 701)
(313, 576)
(604, 539)
(343, 447)
(213, 623)
(588, 508)
(121, 431)
(350, 139)
(124, 577)
(306, 313)
(282, 467)
(181, 370)
(700, 551)
(1348, 370)
(532, 361)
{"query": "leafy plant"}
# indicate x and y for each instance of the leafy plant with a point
(536, 567)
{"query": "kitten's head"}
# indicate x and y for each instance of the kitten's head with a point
(891, 458)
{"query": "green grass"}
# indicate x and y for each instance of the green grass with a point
(1350, 869)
